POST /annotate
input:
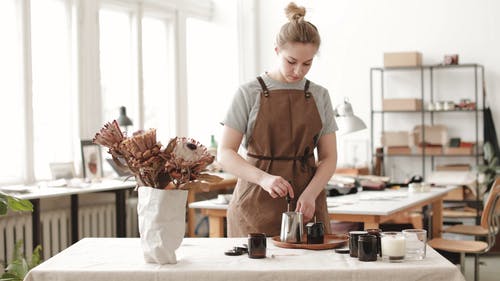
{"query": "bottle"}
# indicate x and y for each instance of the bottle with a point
(212, 149)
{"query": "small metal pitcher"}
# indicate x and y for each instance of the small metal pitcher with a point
(292, 227)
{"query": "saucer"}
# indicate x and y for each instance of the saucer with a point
(330, 241)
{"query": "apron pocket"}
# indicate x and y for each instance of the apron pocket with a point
(245, 193)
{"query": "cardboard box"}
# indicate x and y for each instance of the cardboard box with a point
(453, 167)
(431, 150)
(458, 150)
(434, 135)
(398, 150)
(352, 171)
(399, 59)
(399, 138)
(402, 104)
(456, 194)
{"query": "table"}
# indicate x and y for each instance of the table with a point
(227, 184)
(375, 207)
(35, 193)
(120, 259)
(369, 207)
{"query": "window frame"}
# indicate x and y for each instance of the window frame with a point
(86, 34)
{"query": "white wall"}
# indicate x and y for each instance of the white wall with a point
(356, 33)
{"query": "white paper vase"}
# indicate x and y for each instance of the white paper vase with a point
(162, 223)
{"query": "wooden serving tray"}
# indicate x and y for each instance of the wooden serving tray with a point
(331, 241)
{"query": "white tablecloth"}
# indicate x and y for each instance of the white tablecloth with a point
(120, 259)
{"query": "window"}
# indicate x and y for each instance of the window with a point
(121, 68)
(11, 87)
(118, 82)
(212, 67)
(51, 68)
(159, 81)
(54, 117)
(34, 113)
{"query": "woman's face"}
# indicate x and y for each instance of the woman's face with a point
(295, 60)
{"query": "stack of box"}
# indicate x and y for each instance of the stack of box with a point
(402, 59)
(396, 143)
(436, 137)
(402, 104)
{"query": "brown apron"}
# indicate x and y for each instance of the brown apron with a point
(285, 134)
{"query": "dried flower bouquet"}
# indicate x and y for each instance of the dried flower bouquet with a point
(177, 166)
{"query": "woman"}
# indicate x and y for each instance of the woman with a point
(283, 117)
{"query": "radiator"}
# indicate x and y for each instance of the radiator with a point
(93, 221)
(12, 229)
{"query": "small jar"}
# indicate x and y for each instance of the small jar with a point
(353, 242)
(367, 247)
(414, 187)
(376, 232)
(315, 233)
(439, 105)
(257, 244)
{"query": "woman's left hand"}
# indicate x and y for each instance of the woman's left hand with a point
(306, 205)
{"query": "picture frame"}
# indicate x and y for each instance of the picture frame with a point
(62, 170)
(91, 160)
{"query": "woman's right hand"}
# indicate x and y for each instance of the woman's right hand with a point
(276, 186)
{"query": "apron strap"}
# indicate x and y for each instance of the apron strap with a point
(306, 89)
(302, 159)
(266, 91)
(263, 86)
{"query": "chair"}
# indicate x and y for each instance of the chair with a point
(490, 221)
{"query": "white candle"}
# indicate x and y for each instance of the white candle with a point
(393, 246)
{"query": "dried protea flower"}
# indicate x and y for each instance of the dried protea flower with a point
(179, 165)
(111, 137)
(186, 159)
(142, 145)
(144, 157)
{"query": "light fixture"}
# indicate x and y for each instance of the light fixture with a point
(346, 120)
(123, 120)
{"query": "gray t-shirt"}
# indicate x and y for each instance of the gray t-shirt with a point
(246, 103)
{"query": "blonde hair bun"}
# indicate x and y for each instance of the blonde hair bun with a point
(297, 29)
(294, 12)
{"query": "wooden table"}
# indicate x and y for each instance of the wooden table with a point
(121, 259)
(216, 214)
(369, 207)
(376, 207)
(35, 193)
(227, 184)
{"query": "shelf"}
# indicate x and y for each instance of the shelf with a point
(427, 78)
(426, 155)
(426, 111)
(428, 159)
(435, 66)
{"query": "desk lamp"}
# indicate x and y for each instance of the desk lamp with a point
(347, 123)
(123, 120)
(346, 120)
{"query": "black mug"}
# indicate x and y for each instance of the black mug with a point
(257, 244)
